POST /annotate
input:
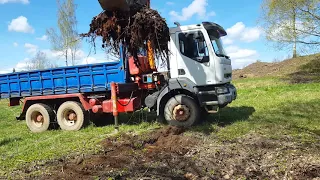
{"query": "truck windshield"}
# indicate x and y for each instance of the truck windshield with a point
(218, 47)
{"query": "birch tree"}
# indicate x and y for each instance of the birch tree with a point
(66, 40)
(291, 22)
(39, 62)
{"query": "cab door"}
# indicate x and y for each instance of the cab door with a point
(194, 60)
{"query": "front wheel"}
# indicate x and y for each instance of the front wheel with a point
(71, 116)
(182, 111)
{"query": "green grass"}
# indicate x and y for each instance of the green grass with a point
(265, 106)
(18, 146)
(272, 108)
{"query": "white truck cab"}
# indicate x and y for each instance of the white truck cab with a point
(197, 53)
(200, 74)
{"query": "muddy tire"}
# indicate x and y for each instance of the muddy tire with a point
(182, 111)
(71, 116)
(39, 117)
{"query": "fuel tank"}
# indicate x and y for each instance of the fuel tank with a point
(123, 5)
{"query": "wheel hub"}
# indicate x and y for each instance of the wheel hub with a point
(181, 113)
(39, 118)
(72, 116)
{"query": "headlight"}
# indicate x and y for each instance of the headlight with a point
(222, 90)
(155, 78)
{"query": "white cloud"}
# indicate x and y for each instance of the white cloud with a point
(170, 3)
(226, 40)
(55, 55)
(237, 53)
(15, 44)
(197, 7)
(43, 38)
(58, 58)
(14, 1)
(92, 60)
(31, 48)
(242, 33)
(20, 24)
(211, 13)
(22, 65)
(241, 57)
(5, 71)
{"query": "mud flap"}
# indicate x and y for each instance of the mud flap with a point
(21, 117)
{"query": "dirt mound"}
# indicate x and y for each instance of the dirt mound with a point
(291, 68)
(169, 154)
(153, 155)
(258, 157)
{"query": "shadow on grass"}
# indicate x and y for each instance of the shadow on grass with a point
(8, 141)
(307, 73)
(224, 117)
(135, 118)
(298, 120)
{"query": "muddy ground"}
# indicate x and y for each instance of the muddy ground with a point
(169, 153)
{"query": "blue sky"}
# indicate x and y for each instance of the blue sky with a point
(24, 22)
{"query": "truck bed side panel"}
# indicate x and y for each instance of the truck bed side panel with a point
(65, 80)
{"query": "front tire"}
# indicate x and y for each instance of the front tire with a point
(38, 117)
(182, 111)
(71, 116)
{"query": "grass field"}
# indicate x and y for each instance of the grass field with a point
(265, 106)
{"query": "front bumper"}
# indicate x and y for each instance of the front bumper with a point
(224, 99)
(218, 96)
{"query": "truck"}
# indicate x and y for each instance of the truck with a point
(197, 80)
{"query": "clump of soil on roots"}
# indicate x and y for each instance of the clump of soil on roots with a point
(133, 28)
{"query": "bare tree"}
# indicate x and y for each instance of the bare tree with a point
(67, 40)
(291, 22)
(39, 62)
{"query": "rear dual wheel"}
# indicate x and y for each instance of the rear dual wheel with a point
(71, 116)
(40, 117)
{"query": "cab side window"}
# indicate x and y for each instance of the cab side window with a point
(193, 45)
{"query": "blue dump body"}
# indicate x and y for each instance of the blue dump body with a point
(66, 80)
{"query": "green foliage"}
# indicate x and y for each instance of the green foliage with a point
(39, 62)
(66, 40)
(291, 22)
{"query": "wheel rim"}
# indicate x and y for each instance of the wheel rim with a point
(69, 117)
(181, 113)
(37, 119)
